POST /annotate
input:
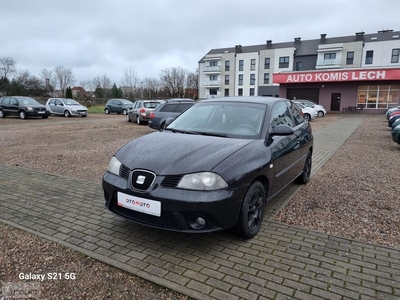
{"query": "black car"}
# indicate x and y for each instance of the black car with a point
(24, 107)
(169, 109)
(214, 167)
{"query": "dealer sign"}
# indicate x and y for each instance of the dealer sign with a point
(336, 76)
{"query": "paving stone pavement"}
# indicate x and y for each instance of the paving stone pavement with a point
(281, 262)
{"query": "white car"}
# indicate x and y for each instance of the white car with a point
(65, 106)
(308, 112)
(319, 108)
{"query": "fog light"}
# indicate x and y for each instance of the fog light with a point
(198, 223)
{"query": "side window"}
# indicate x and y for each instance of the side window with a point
(297, 114)
(13, 101)
(169, 107)
(117, 102)
(58, 102)
(280, 115)
(181, 107)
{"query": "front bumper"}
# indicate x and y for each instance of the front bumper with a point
(179, 208)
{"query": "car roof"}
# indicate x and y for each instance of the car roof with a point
(249, 99)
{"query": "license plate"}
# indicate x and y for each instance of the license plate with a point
(41, 112)
(142, 205)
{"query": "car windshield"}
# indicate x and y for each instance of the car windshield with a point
(71, 102)
(224, 119)
(151, 104)
(28, 101)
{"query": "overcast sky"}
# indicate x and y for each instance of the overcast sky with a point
(97, 37)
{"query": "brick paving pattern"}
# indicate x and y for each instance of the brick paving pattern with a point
(281, 262)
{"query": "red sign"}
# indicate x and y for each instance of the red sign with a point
(337, 76)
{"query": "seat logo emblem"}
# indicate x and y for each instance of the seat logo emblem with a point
(140, 179)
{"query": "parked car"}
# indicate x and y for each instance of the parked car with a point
(214, 167)
(119, 106)
(169, 109)
(66, 107)
(392, 119)
(390, 110)
(24, 107)
(309, 113)
(141, 111)
(396, 134)
(395, 123)
(319, 108)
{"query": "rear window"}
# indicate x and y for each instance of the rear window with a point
(151, 104)
(181, 107)
(169, 107)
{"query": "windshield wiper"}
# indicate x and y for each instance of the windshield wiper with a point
(212, 134)
(181, 131)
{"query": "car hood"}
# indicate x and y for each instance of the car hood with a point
(167, 153)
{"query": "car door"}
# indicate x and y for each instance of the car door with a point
(13, 106)
(117, 105)
(5, 105)
(59, 107)
(283, 148)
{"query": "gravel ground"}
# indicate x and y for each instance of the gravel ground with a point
(354, 195)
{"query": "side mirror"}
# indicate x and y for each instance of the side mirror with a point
(282, 130)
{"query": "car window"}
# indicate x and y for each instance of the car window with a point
(171, 107)
(5, 101)
(15, 102)
(150, 104)
(297, 113)
(280, 115)
(182, 106)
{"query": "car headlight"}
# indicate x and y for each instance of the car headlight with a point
(202, 181)
(29, 108)
(114, 166)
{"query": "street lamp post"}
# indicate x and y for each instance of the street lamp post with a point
(142, 90)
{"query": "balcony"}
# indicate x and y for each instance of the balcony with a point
(213, 83)
(215, 69)
(328, 63)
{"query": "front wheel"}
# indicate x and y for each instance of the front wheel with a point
(128, 119)
(252, 211)
(124, 112)
(67, 114)
(138, 121)
(306, 174)
(320, 114)
(107, 111)
(22, 115)
(2, 114)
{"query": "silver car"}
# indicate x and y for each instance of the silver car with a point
(65, 106)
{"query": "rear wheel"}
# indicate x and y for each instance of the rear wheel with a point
(2, 115)
(162, 127)
(67, 114)
(138, 121)
(22, 115)
(107, 111)
(252, 211)
(306, 174)
(128, 119)
(307, 117)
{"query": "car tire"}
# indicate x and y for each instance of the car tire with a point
(124, 112)
(2, 114)
(45, 117)
(321, 114)
(162, 127)
(306, 174)
(128, 119)
(252, 211)
(67, 114)
(107, 111)
(84, 116)
(22, 115)
(138, 121)
(307, 117)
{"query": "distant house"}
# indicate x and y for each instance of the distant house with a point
(78, 91)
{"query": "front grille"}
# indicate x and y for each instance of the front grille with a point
(167, 220)
(82, 110)
(171, 181)
(142, 179)
(124, 171)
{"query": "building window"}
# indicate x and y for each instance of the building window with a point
(266, 78)
(284, 62)
(227, 65)
(328, 56)
(252, 79)
(378, 96)
(241, 65)
(299, 66)
(226, 92)
(213, 92)
(252, 65)
(267, 62)
(213, 64)
(251, 91)
(240, 92)
(395, 55)
(213, 77)
(349, 58)
(240, 79)
(369, 57)
(226, 79)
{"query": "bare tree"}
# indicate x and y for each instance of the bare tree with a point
(173, 81)
(192, 85)
(152, 87)
(129, 82)
(7, 66)
(65, 77)
(49, 79)
(28, 84)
